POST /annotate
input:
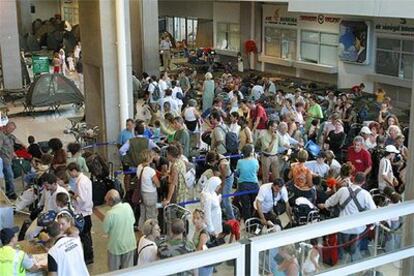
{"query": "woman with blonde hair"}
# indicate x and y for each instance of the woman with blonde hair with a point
(208, 91)
(147, 178)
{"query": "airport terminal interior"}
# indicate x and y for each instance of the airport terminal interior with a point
(206, 137)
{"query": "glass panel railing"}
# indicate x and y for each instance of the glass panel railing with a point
(336, 249)
(226, 268)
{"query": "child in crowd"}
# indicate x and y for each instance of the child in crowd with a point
(76, 157)
(71, 63)
(38, 168)
(311, 264)
(156, 131)
(393, 238)
(234, 123)
(34, 148)
(65, 217)
(313, 130)
(56, 63)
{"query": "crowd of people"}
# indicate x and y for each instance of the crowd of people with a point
(276, 150)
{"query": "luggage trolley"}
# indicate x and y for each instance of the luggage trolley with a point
(175, 211)
(254, 227)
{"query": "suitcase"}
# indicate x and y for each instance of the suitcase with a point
(114, 182)
(330, 255)
(99, 190)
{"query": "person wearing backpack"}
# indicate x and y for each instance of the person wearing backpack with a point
(351, 200)
(177, 245)
(222, 139)
(154, 91)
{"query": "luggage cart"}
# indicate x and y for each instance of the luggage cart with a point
(172, 212)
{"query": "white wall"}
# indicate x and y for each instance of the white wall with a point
(225, 12)
(45, 9)
(197, 9)
(375, 8)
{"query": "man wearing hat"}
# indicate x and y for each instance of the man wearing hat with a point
(366, 134)
(13, 261)
(385, 174)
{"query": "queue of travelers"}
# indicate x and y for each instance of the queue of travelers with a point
(275, 149)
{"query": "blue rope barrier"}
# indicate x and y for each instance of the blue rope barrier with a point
(184, 203)
(231, 156)
(99, 145)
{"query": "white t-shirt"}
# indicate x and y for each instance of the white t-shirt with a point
(163, 86)
(385, 169)
(175, 90)
(151, 88)
(83, 204)
(146, 180)
(147, 251)
(364, 198)
(189, 114)
(320, 169)
(50, 199)
(335, 167)
(68, 255)
(267, 198)
(235, 128)
(173, 104)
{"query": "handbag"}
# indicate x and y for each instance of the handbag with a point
(136, 195)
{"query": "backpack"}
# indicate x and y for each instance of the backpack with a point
(97, 166)
(156, 94)
(231, 141)
(166, 250)
(352, 197)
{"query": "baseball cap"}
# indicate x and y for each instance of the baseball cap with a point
(366, 130)
(7, 234)
(391, 149)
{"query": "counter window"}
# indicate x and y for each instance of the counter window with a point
(228, 37)
(319, 47)
(395, 57)
(280, 43)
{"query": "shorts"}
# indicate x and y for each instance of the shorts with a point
(191, 125)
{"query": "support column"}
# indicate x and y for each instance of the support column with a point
(9, 45)
(144, 36)
(408, 233)
(101, 67)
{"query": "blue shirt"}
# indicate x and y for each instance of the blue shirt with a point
(125, 147)
(247, 170)
(147, 133)
(1, 168)
(124, 136)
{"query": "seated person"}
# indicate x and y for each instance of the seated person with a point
(39, 167)
(302, 178)
(318, 166)
(267, 200)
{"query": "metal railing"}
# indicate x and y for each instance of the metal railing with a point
(235, 251)
(319, 229)
(242, 255)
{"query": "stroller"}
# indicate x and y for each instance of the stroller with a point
(172, 212)
(304, 212)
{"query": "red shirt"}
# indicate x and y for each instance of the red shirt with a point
(361, 160)
(259, 112)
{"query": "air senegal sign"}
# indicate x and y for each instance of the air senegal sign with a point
(278, 15)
